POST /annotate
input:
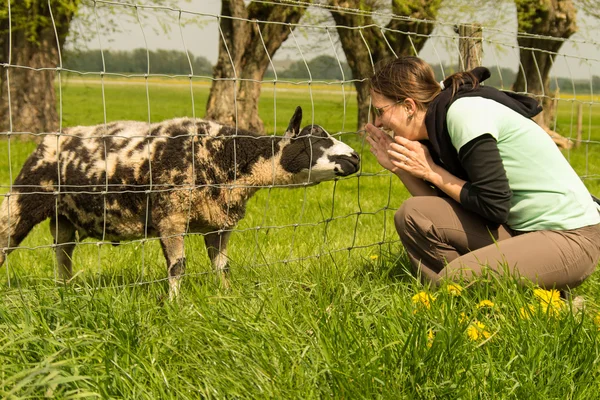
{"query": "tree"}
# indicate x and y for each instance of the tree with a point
(247, 42)
(543, 26)
(31, 34)
(26, 45)
(591, 7)
(372, 43)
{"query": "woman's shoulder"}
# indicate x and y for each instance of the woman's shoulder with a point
(472, 109)
(474, 103)
(471, 117)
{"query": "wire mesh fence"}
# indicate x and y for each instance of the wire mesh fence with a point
(94, 175)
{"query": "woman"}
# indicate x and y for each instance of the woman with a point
(490, 188)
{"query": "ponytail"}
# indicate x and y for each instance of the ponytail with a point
(463, 78)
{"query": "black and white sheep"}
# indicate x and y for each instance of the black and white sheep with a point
(130, 180)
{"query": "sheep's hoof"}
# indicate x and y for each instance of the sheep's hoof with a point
(224, 281)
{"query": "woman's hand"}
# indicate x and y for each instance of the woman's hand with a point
(412, 157)
(380, 144)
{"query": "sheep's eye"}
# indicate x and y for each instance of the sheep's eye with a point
(317, 132)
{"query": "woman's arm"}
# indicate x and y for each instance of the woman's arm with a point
(413, 159)
(488, 188)
(487, 192)
(415, 186)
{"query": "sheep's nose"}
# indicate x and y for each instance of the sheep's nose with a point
(356, 160)
(350, 164)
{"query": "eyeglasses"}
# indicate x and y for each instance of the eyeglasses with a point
(380, 110)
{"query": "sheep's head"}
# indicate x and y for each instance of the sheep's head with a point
(314, 156)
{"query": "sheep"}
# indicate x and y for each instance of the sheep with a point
(129, 180)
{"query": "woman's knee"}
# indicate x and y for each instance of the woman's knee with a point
(415, 213)
(404, 217)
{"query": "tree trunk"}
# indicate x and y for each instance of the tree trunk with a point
(28, 76)
(32, 106)
(243, 60)
(554, 19)
(359, 54)
(470, 45)
(232, 40)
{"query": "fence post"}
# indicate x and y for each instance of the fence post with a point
(470, 40)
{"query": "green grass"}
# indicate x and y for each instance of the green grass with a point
(320, 304)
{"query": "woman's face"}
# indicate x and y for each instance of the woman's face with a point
(394, 116)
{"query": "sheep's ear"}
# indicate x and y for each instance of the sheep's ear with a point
(294, 126)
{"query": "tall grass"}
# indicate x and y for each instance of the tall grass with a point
(321, 303)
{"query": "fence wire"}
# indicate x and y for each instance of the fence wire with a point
(365, 222)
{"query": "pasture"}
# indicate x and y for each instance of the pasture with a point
(321, 304)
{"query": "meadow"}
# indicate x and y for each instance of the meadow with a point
(322, 303)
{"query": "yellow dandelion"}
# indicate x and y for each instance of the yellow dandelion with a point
(454, 289)
(550, 301)
(597, 320)
(423, 298)
(374, 257)
(547, 296)
(463, 318)
(485, 304)
(553, 309)
(430, 337)
(527, 312)
(477, 331)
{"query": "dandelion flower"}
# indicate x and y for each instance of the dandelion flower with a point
(454, 289)
(477, 331)
(597, 320)
(527, 312)
(550, 301)
(374, 257)
(463, 318)
(423, 299)
(547, 296)
(430, 337)
(485, 303)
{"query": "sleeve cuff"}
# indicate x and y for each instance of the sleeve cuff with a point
(464, 193)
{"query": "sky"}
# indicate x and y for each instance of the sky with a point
(579, 58)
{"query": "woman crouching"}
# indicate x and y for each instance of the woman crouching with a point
(490, 188)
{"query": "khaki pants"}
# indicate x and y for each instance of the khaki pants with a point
(443, 240)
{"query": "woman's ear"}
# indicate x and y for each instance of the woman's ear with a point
(411, 106)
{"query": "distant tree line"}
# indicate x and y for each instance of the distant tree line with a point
(503, 78)
(174, 62)
(327, 68)
(579, 86)
(321, 67)
(324, 67)
(170, 62)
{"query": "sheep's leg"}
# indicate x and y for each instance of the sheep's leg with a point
(216, 246)
(19, 213)
(63, 232)
(171, 229)
(173, 250)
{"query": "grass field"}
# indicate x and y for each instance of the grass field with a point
(321, 304)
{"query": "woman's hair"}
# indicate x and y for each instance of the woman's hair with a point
(411, 77)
